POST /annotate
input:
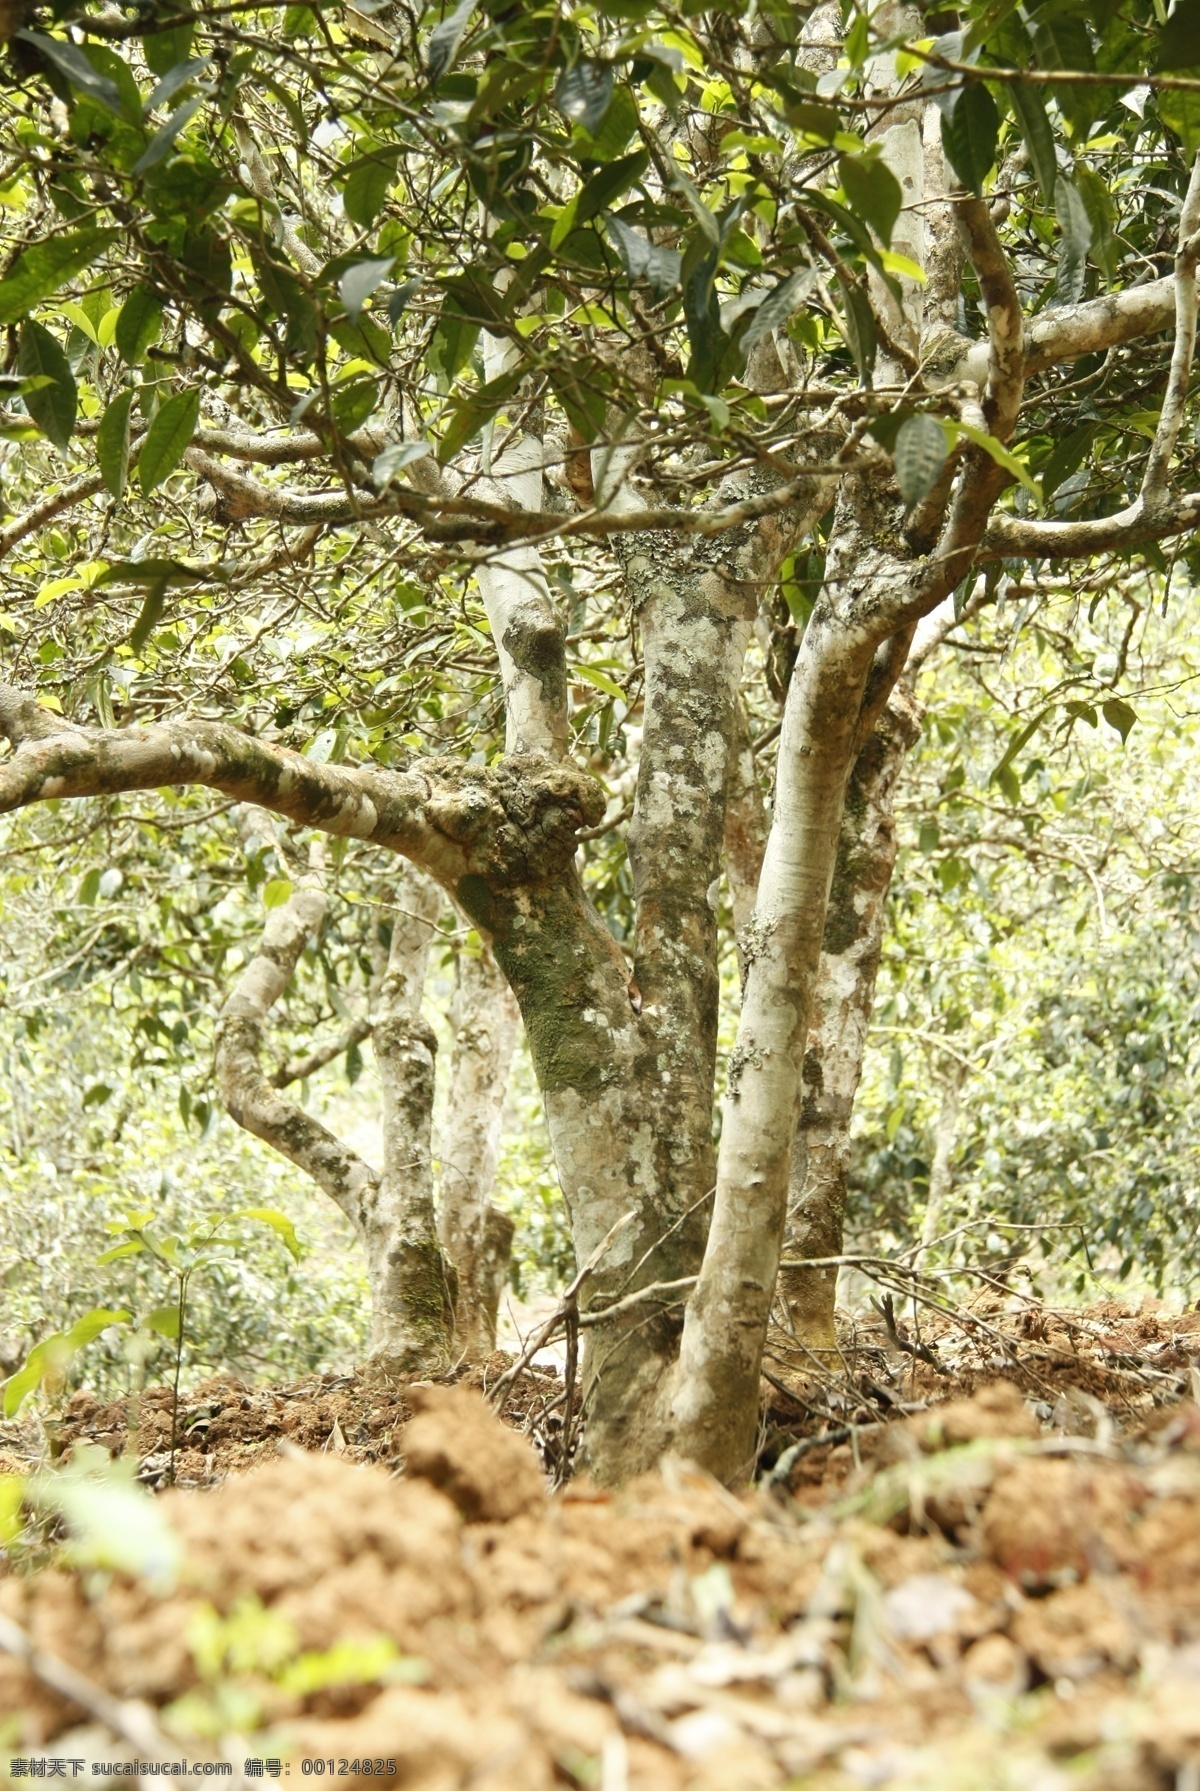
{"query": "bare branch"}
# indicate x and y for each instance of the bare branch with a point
(1071, 331)
(471, 519)
(298, 1069)
(249, 1097)
(1170, 421)
(1006, 339)
(1012, 536)
(56, 758)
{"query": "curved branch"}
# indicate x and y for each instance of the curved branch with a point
(1006, 336)
(56, 758)
(1013, 536)
(472, 519)
(248, 1095)
(1170, 421)
(1071, 331)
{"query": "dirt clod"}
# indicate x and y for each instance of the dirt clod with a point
(458, 1444)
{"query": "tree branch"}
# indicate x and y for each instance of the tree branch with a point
(1170, 421)
(472, 519)
(248, 1095)
(1006, 336)
(1015, 536)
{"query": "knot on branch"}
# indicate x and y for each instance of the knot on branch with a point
(518, 819)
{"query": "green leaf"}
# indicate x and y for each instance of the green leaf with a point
(112, 444)
(443, 43)
(1073, 219)
(1000, 454)
(165, 50)
(1038, 134)
(453, 342)
(175, 78)
(89, 887)
(1066, 457)
(167, 438)
(279, 1222)
(1179, 38)
(644, 260)
(777, 307)
(919, 454)
(277, 892)
(857, 42)
(53, 404)
(71, 61)
(1076, 227)
(1061, 41)
(1093, 190)
(969, 135)
(710, 227)
(97, 1094)
(164, 1320)
(352, 404)
(593, 675)
(873, 192)
(149, 615)
(164, 137)
(859, 328)
(366, 187)
(469, 417)
(603, 189)
(620, 123)
(53, 1354)
(1118, 714)
(360, 281)
(1180, 112)
(43, 268)
(138, 325)
(392, 460)
(584, 93)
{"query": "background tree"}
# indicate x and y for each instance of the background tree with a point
(670, 296)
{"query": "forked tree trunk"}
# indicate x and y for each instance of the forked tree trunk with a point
(475, 1235)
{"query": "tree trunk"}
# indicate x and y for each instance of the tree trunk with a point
(945, 1136)
(412, 1281)
(842, 1003)
(475, 1235)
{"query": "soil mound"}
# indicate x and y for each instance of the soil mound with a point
(976, 1595)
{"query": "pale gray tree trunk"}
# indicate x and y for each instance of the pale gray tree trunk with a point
(476, 1236)
(945, 1137)
(842, 1003)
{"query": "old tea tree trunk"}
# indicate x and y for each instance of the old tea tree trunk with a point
(648, 339)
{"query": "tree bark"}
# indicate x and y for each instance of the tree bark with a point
(843, 999)
(475, 1235)
(412, 1280)
(945, 1136)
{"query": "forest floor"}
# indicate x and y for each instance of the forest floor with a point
(971, 1561)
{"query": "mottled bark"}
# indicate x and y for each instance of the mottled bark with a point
(412, 1281)
(745, 830)
(843, 998)
(475, 1235)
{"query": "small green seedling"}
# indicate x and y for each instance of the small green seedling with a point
(182, 1258)
(206, 1243)
(239, 1657)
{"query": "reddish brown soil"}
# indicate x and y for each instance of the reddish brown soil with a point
(997, 1590)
